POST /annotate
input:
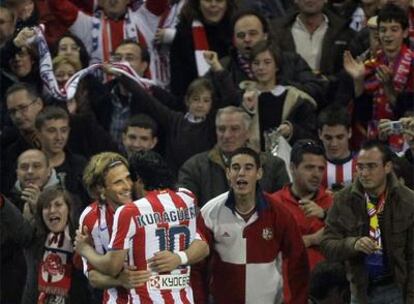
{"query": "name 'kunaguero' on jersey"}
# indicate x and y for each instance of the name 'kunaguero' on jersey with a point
(181, 214)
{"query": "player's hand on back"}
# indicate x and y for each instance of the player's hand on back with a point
(132, 278)
(164, 261)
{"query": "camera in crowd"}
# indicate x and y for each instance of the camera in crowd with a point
(396, 127)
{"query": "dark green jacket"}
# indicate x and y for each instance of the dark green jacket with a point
(348, 221)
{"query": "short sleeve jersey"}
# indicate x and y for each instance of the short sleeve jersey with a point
(163, 220)
(98, 218)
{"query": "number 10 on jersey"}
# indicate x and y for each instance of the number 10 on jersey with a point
(169, 238)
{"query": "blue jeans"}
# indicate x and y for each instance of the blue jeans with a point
(383, 294)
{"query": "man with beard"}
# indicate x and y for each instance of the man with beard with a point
(305, 197)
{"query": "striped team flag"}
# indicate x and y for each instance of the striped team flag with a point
(200, 45)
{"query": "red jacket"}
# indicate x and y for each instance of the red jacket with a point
(307, 225)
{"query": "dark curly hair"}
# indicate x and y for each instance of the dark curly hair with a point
(391, 12)
(151, 168)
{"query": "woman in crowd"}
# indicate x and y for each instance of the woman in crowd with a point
(202, 22)
(70, 45)
(87, 137)
(288, 110)
(53, 275)
(22, 62)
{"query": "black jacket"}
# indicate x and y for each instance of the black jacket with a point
(25, 235)
(182, 60)
(337, 39)
(292, 70)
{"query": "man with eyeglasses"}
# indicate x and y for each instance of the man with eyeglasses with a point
(23, 104)
(371, 227)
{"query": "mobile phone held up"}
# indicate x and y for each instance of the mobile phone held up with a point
(396, 127)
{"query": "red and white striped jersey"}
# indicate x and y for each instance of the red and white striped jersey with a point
(101, 35)
(99, 219)
(163, 220)
(339, 172)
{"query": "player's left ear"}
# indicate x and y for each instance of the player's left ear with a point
(228, 173)
(259, 174)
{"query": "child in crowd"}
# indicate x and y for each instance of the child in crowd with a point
(273, 106)
(386, 80)
(189, 133)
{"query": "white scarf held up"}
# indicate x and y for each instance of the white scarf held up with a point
(70, 87)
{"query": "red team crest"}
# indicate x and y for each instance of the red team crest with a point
(53, 265)
(267, 233)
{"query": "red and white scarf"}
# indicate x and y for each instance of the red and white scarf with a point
(69, 89)
(161, 52)
(101, 29)
(401, 70)
(200, 45)
(55, 269)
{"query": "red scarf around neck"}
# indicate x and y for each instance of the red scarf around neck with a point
(403, 72)
(55, 269)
